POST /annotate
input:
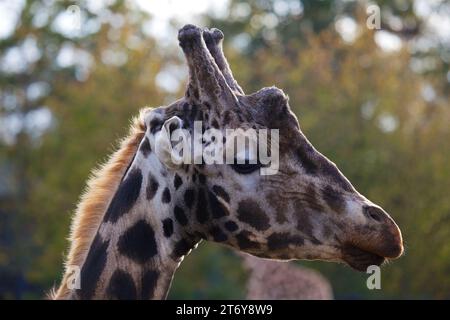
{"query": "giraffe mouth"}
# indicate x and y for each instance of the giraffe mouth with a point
(360, 259)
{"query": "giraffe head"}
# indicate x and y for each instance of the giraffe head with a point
(307, 209)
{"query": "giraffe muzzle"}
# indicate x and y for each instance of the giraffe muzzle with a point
(373, 243)
(360, 259)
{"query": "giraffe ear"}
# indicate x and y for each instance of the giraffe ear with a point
(168, 147)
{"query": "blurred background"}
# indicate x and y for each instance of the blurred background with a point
(375, 101)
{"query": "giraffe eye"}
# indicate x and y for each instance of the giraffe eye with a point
(245, 168)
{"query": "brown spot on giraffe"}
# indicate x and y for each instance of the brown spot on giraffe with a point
(121, 286)
(138, 242)
(279, 206)
(152, 186)
(251, 213)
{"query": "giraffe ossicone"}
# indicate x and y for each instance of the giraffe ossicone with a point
(142, 212)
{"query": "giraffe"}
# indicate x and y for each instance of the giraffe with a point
(142, 212)
(278, 280)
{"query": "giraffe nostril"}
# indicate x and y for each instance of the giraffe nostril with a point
(374, 213)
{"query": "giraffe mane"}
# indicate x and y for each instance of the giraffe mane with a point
(100, 188)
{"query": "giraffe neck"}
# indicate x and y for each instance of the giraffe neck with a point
(139, 245)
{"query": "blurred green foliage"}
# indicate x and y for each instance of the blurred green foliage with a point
(364, 108)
